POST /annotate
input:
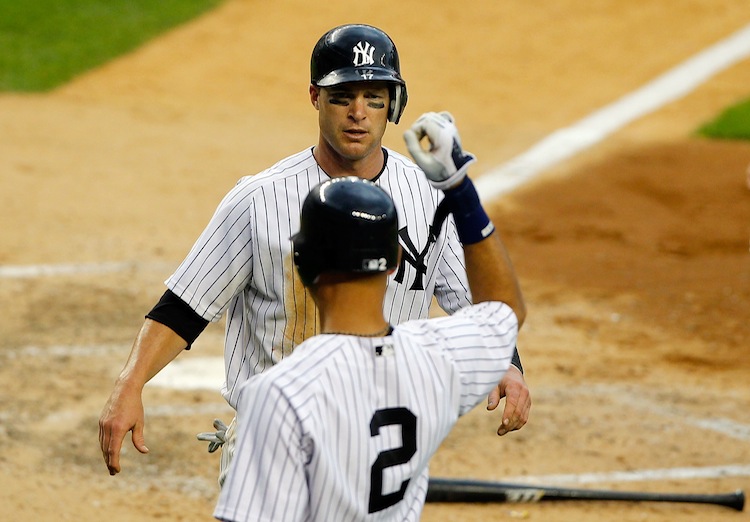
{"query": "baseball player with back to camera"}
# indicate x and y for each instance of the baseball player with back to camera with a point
(242, 265)
(344, 428)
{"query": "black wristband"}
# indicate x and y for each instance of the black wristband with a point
(516, 360)
(472, 222)
(175, 313)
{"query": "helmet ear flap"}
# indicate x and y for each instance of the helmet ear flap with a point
(304, 260)
(398, 102)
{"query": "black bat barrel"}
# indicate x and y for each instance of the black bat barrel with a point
(462, 490)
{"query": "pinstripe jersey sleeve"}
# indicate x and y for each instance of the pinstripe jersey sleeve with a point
(220, 262)
(479, 340)
(267, 480)
(245, 246)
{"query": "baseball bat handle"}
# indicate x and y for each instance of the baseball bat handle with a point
(461, 490)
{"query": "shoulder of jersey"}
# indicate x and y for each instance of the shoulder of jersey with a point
(311, 358)
(402, 160)
(290, 166)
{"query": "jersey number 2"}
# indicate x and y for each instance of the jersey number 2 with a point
(392, 457)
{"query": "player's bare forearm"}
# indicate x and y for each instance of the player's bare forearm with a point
(154, 347)
(492, 276)
(517, 401)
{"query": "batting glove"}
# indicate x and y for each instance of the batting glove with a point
(445, 163)
(215, 439)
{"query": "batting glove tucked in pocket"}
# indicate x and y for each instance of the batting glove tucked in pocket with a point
(215, 439)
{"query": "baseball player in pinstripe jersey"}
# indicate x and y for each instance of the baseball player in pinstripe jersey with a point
(344, 428)
(242, 265)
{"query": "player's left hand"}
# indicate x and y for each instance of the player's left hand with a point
(517, 401)
(122, 413)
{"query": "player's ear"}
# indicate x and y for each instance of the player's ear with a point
(314, 96)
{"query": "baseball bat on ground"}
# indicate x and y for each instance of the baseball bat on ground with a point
(464, 490)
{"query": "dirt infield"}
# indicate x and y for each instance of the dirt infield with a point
(634, 255)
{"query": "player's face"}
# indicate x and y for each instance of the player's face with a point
(352, 117)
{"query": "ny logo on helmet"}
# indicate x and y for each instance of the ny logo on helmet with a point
(363, 54)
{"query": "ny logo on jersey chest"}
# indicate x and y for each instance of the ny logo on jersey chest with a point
(416, 258)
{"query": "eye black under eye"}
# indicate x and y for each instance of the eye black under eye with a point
(339, 97)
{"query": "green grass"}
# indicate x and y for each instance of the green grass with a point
(732, 124)
(45, 43)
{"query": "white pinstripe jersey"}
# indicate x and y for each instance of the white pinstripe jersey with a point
(345, 427)
(242, 262)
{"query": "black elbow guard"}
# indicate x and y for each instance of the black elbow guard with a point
(175, 313)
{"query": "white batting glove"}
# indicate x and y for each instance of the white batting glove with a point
(445, 163)
(215, 439)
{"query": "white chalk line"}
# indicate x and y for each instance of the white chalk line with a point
(191, 373)
(33, 271)
(50, 270)
(170, 410)
(724, 426)
(643, 475)
(71, 417)
(638, 400)
(94, 350)
(566, 142)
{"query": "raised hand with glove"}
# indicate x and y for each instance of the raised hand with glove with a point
(445, 164)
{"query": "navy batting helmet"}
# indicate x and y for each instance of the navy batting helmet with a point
(347, 225)
(359, 53)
